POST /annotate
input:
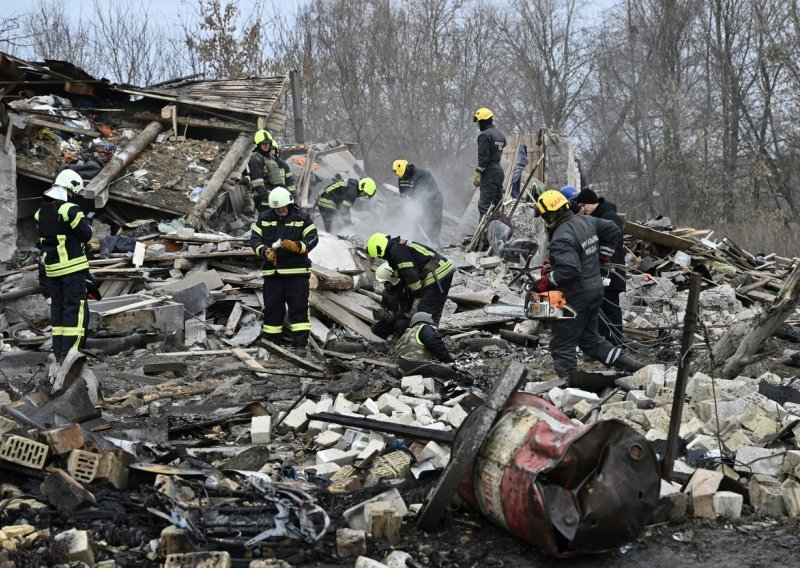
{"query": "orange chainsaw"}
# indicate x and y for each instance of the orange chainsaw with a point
(538, 305)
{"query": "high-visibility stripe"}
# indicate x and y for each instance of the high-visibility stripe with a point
(416, 335)
(257, 183)
(56, 330)
(269, 223)
(348, 203)
(308, 229)
(270, 272)
(260, 250)
(403, 265)
(326, 203)
(62, 269)
(295, 224)
(303, 247)
(302, 326)
(421, 249)
(414, 286)
(76, 220)
(272, 329)
(304, 270)
(256, 229)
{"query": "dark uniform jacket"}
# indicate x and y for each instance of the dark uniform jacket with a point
(575, 248)
(417, 265)
(490, 149)
(339, 196)
(262, 179)
(608, 210)
(423, 343)
(397, 300)
(421, 185)
(296, 226)
(63, 234)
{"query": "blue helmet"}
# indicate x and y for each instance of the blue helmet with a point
(570, 192)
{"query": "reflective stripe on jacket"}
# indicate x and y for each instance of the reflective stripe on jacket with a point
(295, 226)
(63, 232)
(339, 195)
(417, 265)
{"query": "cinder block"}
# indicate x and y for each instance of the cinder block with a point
(369, 407)
(791, 497)
(343, 406)
(350, 543)
(701, 487)
(407, 383)
(389, 404)
(79, 545)
(657, 418)
(413, 401)
(373, 447)
(766, 496)
(759, 460)
(457, 416)
(583, 408)
(736, 439)
(397, 559)
(440, 410)
(728, 504)
(383, 520)
(206, 559)
(653, 435)
(83, 465)
(297, 419)
(327, 439)
(366, 562)
(260, 429)
(438, 454)
(572, 396)
(112, 470)
(703, 443)
(175, 540)
(791, 463)
(654, 379)
(692, 429)
(325, 404)
(23, 451)
(325, 469)
(336, 456)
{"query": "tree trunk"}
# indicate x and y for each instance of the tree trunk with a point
(743, 340)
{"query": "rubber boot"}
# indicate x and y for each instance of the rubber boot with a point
(627, 364)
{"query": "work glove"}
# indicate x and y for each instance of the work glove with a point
(292, 246)
(540, 285)
(271, 255)
(382, 315)
(476, 181)
(547, 268)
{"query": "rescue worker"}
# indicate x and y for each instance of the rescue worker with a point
(421, 343)
(489, 174)
(338, 197)
(578, 245)
(283, 236)
(570, 193)
(427, 274)
(266, 170)
(426, 198)
(610, 323)
(64, 234)
(396, 302)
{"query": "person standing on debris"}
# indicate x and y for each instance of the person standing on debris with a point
(427, 273)
(396, 303)
(338, 197)
(421, 342)
(64, 234)
(610, 323)
(283, 236)
(426, 198)
(266, 170)
(578, 246)
(489, 175)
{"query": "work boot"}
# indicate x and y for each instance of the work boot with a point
(299, 350)
(627, 364)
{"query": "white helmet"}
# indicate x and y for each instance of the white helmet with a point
(70, 179)
(279, 197)
(386, 273)
(58, 193)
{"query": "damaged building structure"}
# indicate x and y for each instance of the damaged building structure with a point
(178, 439)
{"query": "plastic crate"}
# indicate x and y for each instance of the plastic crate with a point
(23, 451)
(215, 559)
(82, 465)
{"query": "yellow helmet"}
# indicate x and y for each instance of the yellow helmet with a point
(279, 197)
(482, 114)
(551, 201)
(386, 273)
(376, 245)
(368, 186)
(264, 136)
(399, 167)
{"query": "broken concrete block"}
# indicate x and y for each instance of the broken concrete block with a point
(369, 407)
(657, 418)
(336, 456)
(759, 460)
(297, 419)
(403, 418)
(175, 540)
(736, 440)
(350, 543)
(791, 497)
(63, 492)
(791, 463)
(407, 383)
(78, 544)
(703, 443)
(583, 408)
(397, 559)
(728, 504)
(457, 416)
(373, 447)
(83, 465)
(205, 559)
(652, 379)
(701, 487)
(325, 404)
(327, 439)
(325, 469)
(343, 406)
(366, 562)
(23, 451)
(766, 496)
(436, 453)
(413, 401)
(355, 515)
(352, 438)
(383, 520)
(112, 470)
(639, 398)
(389, 404)
(573, 396)
(653, 435)
(764, 427)
(692, 429)
(64, 439)
(260, 429)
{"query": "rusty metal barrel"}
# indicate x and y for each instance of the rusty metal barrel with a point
(565, 488)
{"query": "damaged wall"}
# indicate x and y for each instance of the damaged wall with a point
(8, 200)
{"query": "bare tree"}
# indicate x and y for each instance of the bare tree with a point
(55, 33)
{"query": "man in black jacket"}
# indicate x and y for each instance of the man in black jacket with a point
(423, 191)
(283, 236)
(610, 323)
(578, 246)
(336, 200)
(396, 303)
(489, 174)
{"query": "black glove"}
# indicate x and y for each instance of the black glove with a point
(383, 315)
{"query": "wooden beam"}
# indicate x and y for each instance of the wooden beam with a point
(657, 237)
(332, 280)
(342, 317)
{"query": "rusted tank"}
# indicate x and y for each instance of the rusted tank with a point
(565, 488)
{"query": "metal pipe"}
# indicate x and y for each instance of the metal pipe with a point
(687, 339)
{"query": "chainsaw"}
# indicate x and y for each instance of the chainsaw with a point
(538, 305)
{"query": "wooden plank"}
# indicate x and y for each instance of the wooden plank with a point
(472, 318)
(319, 330)
(352, 357)
(251, 363)
(64, 127)
(330, 279)
(233, 320)
(204, 353)
(658, 237)
(342, 317)
(363, 300)
(292, 358)
(352, 307)
(129, 307)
